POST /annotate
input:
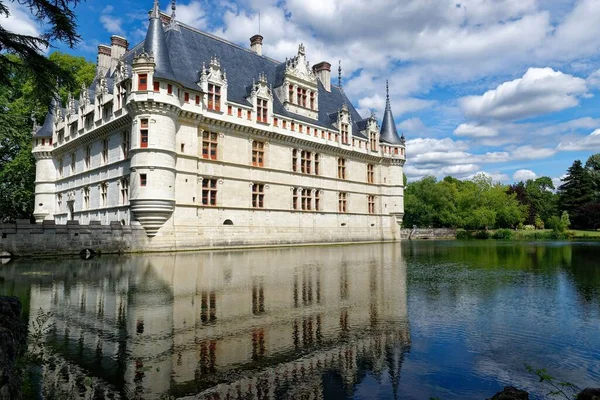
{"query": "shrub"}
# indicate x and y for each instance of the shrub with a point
(462, 234)
(529, 228)
(539, 224)
(503, 234)
(481, 235)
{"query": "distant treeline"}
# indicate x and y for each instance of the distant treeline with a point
(480, 203)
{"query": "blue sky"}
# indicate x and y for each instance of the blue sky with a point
(505, 87)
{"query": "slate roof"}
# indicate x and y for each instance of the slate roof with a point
(46, 129)
(388, 132)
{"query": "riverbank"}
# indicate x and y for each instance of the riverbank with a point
(538, 234)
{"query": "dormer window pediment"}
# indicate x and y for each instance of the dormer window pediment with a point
(261, 98)
(213, 82)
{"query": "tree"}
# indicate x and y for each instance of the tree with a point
(593, 166)
(576, 191)
(59, 19)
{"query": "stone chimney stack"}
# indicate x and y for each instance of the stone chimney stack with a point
(323, 72)
(103, 63)
(256, 44)
(118, 47)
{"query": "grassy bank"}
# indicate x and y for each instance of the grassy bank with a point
(541, 234)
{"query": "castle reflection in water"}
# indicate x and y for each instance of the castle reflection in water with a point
(306, 322)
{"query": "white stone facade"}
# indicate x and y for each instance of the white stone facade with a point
(134, 152)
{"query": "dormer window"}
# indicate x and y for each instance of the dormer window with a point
(301, 97)
(373, 141)
(312, 100)
(143, 82)
(261, 110)
(344, 132)
(291, 93)
(214, 97)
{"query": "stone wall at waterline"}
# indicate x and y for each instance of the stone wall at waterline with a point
(24, 239)
(428, 233)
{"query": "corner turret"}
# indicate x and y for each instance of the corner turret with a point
(389, 133)
(45, 170)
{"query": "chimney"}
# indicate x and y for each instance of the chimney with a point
(118, 47)
(256, 44)
(103, 63)
(323, 72)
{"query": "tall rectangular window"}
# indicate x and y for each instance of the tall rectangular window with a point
(73, 159)
(125, 144)
(295, 198)
(142, 82)
(341, 168)
(124, 191)
(103, 194)
(373, 141)
(258, 195)
(312, 100)
(249, 114)
(88, 156)
(305, 162)
(344, 131)
(370, 173)
(258, 153)
(86, 198)
(301, 99)
(60, 167)
(291, 93)
(239, 112)
(229, 110)
(105, 151)
(306, 199)
(317, 201)
(186, 97)
(210, 141)
(143, 180)
(59, 201)
(261, 110)
(170, 89)
(342, 202)
(292, 126)
(209, 192)
(156, 85)
(197, 99)
(294, 160)
(214, 97)
(317, 163)
(144, 133)
(371, 204)
(275, 121)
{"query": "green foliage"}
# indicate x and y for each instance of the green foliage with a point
(462, 234)
(539, 224)
(562, 389)
(481, 235)
(503, 234)
(576, 192)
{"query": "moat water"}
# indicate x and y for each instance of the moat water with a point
(420, 319)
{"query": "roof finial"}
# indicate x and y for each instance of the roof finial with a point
(172, 10)
(387, 94)
(340, 73)
(173, 22)
(155, 10)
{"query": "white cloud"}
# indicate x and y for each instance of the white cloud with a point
(472, 130)
(424, 145)
(191, 14)
(496, 176)
(112, 24)
(20, 20)
(524, 175)
(412, 126)
(590, 142)
(528, 152)
(539, 91)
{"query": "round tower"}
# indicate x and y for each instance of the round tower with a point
(45, 169)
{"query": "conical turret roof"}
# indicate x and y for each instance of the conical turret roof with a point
(388, 132)
(156, 45)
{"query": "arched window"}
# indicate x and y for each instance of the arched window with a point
(228, 222)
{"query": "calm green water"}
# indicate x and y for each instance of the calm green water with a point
(454, 320)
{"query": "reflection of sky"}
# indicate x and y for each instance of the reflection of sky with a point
(473, 333)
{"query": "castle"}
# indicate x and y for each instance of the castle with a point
(202, 141)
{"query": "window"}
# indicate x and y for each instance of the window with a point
(300, 128)
(342, 202)
(229, 110)
(209, 192)
(43, 141)
(305, 162)
(61, 134)
(239, 112)
(249, 114)
(156, 86)
(125, 144)
(317, 201)
(373, 141)
(73, 159)
(89, 120)
(105, 151)
(107, 111)
(125, 191)
(341, 168)
(275, 121)
(261, 110)
(144, 133)
(312, 100)
(170, 88)
(73, 129)
(209, 145)
(306, 199)
(258, 195)
(258, 153)
(370, 173)
(103, 194)
(292, 126)
(197, 99)
(142, 82)
(284, 124)
(295, 198)
(88, 156)
(291, 93)
(143, 180)
(86, 198)
(59, 201)
(371, 203)
(186, 97)
(301, 100)
(316, 164)
(344, 129)
(60, 167)
(214, 97)
(294, 160)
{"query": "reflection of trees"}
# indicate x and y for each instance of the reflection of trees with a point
(584, 270)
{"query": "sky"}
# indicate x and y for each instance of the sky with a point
(505, 87)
